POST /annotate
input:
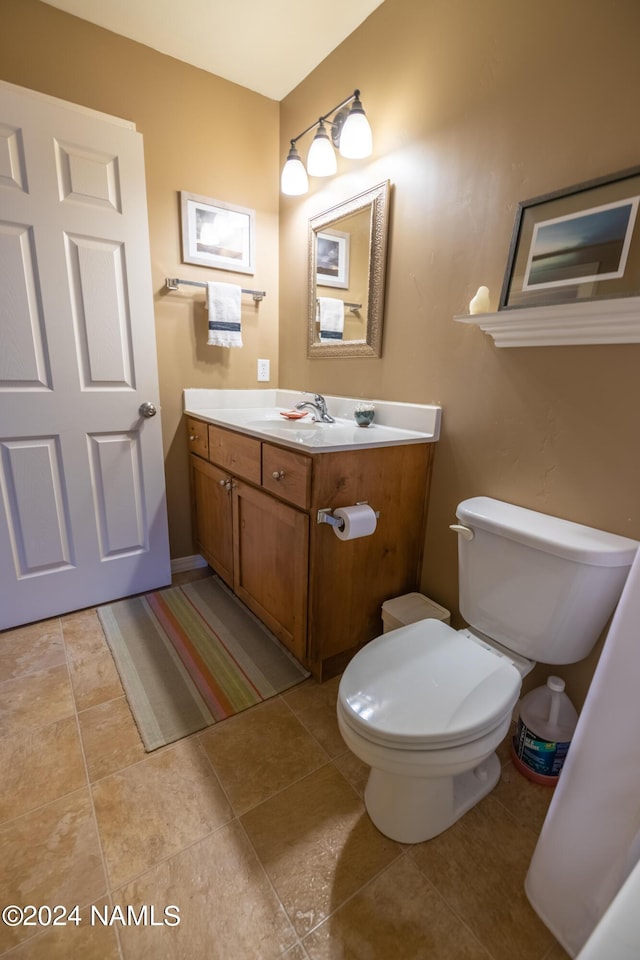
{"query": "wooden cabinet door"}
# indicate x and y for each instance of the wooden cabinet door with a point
(271, 549)
(213, 516)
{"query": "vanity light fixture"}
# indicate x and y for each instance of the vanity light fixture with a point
(321, 159)
(349, 132)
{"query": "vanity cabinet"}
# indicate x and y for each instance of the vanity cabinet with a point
(212, 515)
(198, 437)
(255, 514)
(270, 547)
(251, 539)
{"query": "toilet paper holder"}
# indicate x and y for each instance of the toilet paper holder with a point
(325, 515)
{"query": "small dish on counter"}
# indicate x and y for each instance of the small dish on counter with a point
(293, 414)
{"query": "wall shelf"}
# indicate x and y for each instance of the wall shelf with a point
(589, 321)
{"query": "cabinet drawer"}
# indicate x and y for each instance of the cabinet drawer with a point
(198, 437)
(236, 453)
(287, 475)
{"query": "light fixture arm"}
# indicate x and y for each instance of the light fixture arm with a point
(325, 117)
(350, 133)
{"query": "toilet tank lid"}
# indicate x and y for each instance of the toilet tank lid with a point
(563, 538)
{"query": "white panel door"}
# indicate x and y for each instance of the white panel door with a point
(82, 497)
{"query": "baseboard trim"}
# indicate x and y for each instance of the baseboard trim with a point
(180, 564)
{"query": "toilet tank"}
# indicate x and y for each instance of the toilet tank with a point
(541, 586)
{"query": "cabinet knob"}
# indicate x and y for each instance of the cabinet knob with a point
(194, 436)
(278, 474)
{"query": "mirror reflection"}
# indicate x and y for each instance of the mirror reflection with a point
(347, 251)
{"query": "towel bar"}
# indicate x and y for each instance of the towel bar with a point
(350, 306)
(174, 282)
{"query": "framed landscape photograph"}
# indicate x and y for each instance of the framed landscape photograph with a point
(217, 234)
(332, 259)
(576, 244)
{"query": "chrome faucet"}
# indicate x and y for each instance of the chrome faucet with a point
(319, 404)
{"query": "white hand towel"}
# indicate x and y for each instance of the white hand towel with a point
(223, 304)
(331, 317)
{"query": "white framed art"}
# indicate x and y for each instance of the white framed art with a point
(217, 234)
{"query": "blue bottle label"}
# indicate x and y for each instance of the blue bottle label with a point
(545, 757)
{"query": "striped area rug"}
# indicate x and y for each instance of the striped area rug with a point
(191, 656)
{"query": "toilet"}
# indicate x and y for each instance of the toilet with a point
(425, 706)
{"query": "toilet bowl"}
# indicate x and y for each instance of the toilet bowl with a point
(431, 747)
(425, 706)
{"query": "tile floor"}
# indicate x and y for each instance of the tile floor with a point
(255, 829)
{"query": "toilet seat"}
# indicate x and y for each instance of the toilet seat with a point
(426, 686)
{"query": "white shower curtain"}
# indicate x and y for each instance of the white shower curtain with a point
(590, 840)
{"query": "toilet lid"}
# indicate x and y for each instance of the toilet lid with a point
(427, 684)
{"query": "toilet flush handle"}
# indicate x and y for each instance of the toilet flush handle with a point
(465, 532)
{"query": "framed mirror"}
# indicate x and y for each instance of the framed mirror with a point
(347, 262)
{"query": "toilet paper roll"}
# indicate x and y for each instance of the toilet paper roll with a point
(359, 521)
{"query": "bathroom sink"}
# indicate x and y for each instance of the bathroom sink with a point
(312, 433)
(259, 414)
(315, 435)
(271, 422)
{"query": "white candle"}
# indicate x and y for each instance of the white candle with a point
(480, 303)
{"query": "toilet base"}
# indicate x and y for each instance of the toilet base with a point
(414, 809)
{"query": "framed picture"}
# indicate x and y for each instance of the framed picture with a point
(332, 259)
(581, 243)
(217, 234)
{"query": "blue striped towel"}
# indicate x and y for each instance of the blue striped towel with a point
(225, 325)
(331, 318)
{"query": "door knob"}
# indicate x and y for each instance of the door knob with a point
(147, 409)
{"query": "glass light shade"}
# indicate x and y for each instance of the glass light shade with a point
(321, 159)
(294, 181)
(356, 140)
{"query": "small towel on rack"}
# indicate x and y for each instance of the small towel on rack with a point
(331, 318)
(223, 304)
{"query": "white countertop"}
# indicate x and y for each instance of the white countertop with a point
(257, 413)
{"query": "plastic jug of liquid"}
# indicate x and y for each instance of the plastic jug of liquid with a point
(547, 721)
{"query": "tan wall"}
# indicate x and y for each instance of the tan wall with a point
(201, 134)
(474, 107)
